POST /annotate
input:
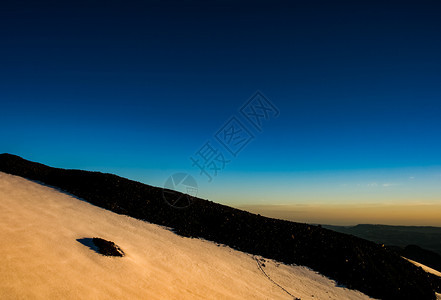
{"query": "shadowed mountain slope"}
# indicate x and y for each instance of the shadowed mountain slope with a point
(426, 237)
(353, 262)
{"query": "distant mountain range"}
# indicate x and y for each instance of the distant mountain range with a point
(356, 263)
(426, 237)
(419, 243)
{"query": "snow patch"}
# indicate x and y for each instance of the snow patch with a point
(42, 258)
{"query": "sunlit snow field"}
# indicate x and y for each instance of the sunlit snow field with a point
(41, 257)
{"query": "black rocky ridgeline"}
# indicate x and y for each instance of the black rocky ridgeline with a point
(352, 262)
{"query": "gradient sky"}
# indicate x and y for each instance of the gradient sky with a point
(137, 88)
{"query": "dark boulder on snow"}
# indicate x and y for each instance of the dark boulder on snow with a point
(107, 248)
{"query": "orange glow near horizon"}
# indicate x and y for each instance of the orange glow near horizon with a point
(417, 214)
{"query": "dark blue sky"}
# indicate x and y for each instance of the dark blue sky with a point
(138, 87)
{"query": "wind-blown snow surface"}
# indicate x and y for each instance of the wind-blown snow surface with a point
(42, 259)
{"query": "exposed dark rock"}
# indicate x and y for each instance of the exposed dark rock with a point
(351, 261)
(107, 248)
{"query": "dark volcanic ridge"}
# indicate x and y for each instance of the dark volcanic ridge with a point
(351, 261)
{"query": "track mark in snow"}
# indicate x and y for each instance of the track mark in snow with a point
(259, 265)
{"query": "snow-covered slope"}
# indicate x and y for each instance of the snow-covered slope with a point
(425, 268)
(41, 257)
